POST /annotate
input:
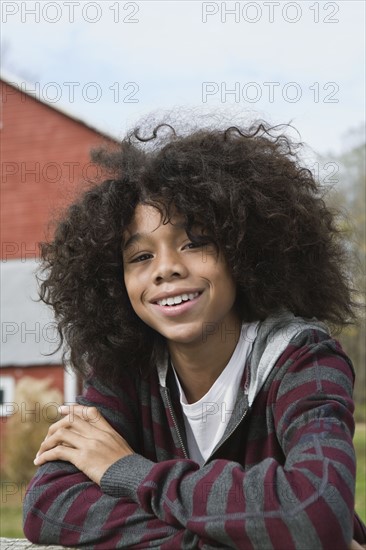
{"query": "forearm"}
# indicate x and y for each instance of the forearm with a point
(63, 507)
(308, 497)
(266, 506)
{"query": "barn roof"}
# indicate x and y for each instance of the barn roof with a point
(22, 86)
(28, 326)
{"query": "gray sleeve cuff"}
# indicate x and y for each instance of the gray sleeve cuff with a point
(124, 476)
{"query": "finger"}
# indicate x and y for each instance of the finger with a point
(60, 452)
(90, 414)
(69, 421)
(355, 546)
(75, 423)
(63, 436)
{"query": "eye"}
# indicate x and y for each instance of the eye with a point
(200, 244)
(140, 258)
(193, 245)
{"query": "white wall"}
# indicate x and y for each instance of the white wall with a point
(27, 326)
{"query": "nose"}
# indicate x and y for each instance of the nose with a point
(169, 265)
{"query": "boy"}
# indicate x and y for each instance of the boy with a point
(192, 289)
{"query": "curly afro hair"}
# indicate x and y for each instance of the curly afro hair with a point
(248, 190)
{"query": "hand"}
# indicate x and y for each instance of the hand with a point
(356, 546)
(84, 438)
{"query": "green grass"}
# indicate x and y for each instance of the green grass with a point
(360, 447)
(12, 495)
(11, 522)
(11, 505)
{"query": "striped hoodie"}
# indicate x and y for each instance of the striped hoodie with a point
(282, 477)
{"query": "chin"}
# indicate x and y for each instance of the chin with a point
(184, 336)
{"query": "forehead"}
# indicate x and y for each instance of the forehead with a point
(148, 219)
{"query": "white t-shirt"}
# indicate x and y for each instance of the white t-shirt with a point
(205, 421)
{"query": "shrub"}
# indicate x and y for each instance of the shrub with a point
(36, 408)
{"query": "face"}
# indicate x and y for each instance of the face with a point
(160, 262)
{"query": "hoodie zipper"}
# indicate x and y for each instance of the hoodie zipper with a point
(228, 435)
(175, 423)
(167, 395)
(180, 437)
(246, 389)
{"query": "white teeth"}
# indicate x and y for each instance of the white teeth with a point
(177, 299)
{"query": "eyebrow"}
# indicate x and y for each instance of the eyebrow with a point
(135, 238)
(139, 236)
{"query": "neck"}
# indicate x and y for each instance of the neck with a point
(198, 365)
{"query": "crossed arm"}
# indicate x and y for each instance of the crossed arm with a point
(66, 505)
(83, 438)
(107, 507)
(86, 440)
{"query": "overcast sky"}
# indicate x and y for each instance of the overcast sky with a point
(113, 62)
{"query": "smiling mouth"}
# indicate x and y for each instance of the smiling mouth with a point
(184, 298)
(178, 309)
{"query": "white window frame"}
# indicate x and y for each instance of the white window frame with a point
(7, 384)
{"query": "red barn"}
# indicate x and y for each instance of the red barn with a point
(45, 160)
